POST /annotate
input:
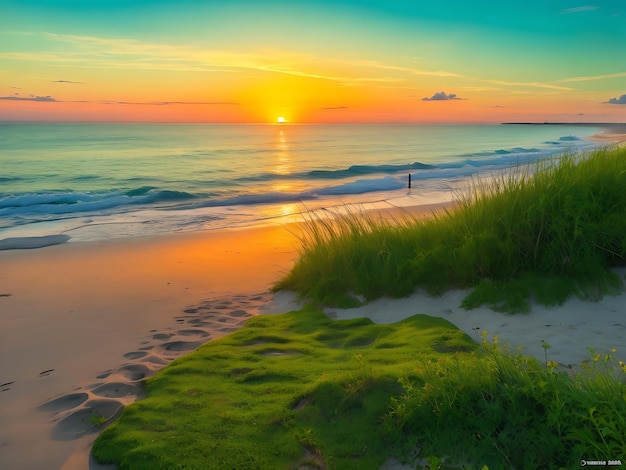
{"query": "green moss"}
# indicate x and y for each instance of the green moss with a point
(282, 388)
(380, 390)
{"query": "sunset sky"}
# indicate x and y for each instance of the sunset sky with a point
(309, 62)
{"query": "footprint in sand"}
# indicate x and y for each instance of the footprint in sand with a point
(135, 355)
(104, 375)
(86, 420)
(135, 371)
(239, 313)
(88, 409)
(162, 336)
(199, 322)
(193, 332)
(66, 402)
(6, 386)
(181, 345)
(116, 390)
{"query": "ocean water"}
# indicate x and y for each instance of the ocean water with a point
(97, 181)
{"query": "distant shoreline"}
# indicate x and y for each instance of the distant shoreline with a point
(598, 124)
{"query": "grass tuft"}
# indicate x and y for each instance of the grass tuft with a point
(533, 233)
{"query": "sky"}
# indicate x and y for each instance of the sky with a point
(367, 61)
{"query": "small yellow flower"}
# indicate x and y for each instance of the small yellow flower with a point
(596, 358)
(613, 350)
(552, 364)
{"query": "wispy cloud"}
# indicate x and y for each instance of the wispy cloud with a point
(50, 99)
(442, 96)
(530, 85)
(112, 53)
(47, 99)
(336, 107)
(594, 77)
(579, 9)
(408, 70)
(620, 100)
(67, 81)
(167, 103)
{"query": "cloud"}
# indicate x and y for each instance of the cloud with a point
(49, 99)
(442, 96)
(594, 77)
(166, 103)
(579, 9)
(336, 107)
(97, 52)
(620, 100)
(530, 84)
(67, 81)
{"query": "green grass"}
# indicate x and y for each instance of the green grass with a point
(285, 389)
(539, 233)
(298, 390)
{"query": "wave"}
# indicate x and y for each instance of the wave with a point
(362, 186)
(357, 170)
(498, 157)
(318, 183)
(76, 202)
(9, 179)
(54, 204)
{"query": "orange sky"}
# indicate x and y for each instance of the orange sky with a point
(329, 62)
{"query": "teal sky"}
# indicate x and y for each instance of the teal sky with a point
(531, 60)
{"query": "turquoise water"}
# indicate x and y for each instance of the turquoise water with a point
(116, 180)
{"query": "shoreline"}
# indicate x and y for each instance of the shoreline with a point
(84, 322)
(88, 320)
(615, 133)
(71, 312)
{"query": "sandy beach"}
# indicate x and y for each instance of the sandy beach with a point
(83, 323)
(615, 133)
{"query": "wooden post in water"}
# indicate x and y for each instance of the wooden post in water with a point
(409, 180)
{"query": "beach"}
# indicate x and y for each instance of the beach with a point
(84, 322)
(85, 318)
(72, 313)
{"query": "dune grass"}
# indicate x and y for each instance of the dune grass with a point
(542, 232)
(300, 391)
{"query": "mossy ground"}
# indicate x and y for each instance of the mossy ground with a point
(299, 390)
(286, 389)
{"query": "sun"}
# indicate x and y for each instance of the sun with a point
(281, 119)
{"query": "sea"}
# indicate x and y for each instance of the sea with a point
(94, 181)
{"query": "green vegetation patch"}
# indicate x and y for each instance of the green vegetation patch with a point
(300, 391)
(505, 411)
(542, 232)
(285, 391)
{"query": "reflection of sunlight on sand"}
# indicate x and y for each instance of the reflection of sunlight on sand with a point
(286, 210)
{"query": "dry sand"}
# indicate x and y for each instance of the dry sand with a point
(615, 133)
(82, 323)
